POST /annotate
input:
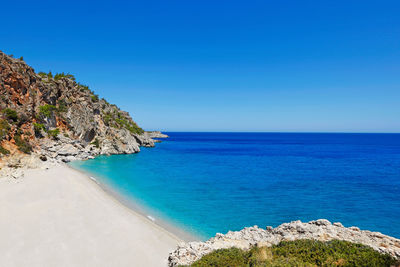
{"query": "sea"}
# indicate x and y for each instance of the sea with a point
(208, 183)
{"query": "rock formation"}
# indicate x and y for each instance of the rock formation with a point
(321, 229)
(56, 118)
(156, 134)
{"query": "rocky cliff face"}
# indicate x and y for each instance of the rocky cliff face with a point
(57, 118)
(321, 229)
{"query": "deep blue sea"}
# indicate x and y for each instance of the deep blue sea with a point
(214, 182)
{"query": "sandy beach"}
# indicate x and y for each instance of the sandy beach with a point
(60, 217)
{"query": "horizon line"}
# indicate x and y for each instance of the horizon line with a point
(294, 132)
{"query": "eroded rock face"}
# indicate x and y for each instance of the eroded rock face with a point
(321, 229)
(88, 126)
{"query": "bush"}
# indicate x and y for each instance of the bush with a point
(38, 128)
(53, 133)
(10, 114)
(128, 124)
(4, 129)
(107, 118)
(62, 106)
(299, 253)
(46, 110)
(4, 151)
(22, 144)
(83, 87)
(96, 143)
(94, 98)
(42, 74)
(224, 257)
(134, 128)
(64, 75)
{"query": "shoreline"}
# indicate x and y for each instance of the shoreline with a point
(61, 217)
(138, 209)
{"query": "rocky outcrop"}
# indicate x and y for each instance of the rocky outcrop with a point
(322, 230)
(156, 134)
(58, 119)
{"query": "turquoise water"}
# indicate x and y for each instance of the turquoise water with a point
(214, 182)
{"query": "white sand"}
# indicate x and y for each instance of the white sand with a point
(59, 217)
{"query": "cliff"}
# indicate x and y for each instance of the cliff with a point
(321, 230)
(55, 118)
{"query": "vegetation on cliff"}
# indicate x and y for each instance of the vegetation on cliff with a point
(299, 253)
(35, 107)
(10, 114)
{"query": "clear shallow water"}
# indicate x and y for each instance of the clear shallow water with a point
(215, 182)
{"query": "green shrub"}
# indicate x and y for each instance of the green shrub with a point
(62, 106)
(46, 110)
(53, 133)
(224, 257)
(121, 123)
(107, 118)
(10, 114)
(83, 87)
(299, 253)
(4, 151)
(22, 144)
(96, 143)
(42, 74)
(94, 98)
(46, 75)
(64, 75)
(134, 128)
(4, 129)
(38, 128)
(128, 124)
(21, 58)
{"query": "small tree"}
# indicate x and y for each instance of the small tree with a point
(4, 151)
(22, 144)
(53, 133)
(11, 114)
(38, 128)
(4, 129)
(94, 98)
(46, 110)
(96, 143)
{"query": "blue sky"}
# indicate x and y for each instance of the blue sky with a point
(223, 65)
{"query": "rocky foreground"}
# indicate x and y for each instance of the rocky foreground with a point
(321, 229)
(53, 118)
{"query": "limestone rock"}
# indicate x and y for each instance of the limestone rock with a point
(321, 229)
(156, 134)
